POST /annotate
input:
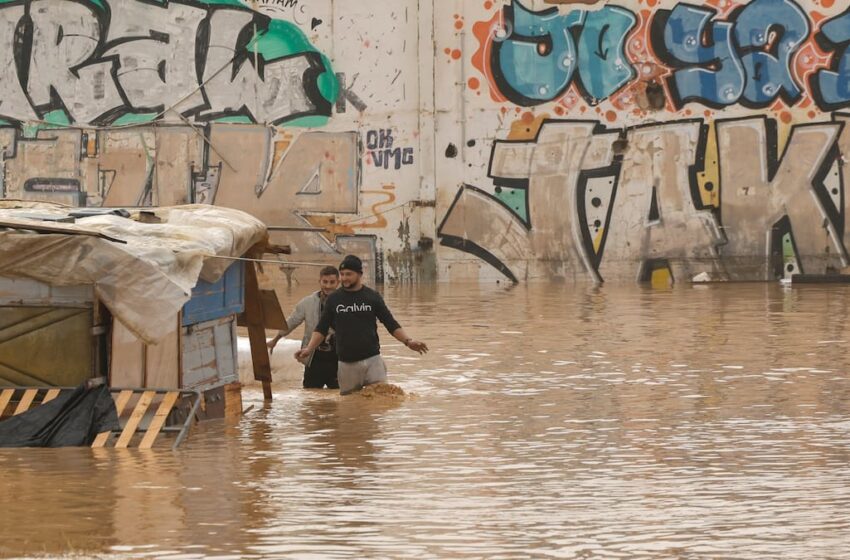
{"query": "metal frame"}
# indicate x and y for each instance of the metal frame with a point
(181, 431)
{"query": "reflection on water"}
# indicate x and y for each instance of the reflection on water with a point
(560, 421)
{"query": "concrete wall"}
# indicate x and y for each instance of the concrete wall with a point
(452, 140)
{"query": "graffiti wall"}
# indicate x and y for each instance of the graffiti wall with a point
(91, 62)
(650, 139)
(520, 140)
(277, 108)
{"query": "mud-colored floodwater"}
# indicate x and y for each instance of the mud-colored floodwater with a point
(564, 422)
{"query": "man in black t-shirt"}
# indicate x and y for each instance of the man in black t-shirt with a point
(353, 312)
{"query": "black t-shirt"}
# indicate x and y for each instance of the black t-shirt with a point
(353, 316)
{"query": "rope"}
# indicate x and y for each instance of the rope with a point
(360, 218)
(246, 259)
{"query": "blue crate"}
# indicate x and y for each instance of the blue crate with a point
(220, 299)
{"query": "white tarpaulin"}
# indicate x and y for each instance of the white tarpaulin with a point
(144, 281)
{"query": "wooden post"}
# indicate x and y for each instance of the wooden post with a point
(256, 328)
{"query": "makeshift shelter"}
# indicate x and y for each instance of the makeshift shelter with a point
(143, 298)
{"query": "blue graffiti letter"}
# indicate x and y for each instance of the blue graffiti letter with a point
(603, 67)
(831, 87)
(711, 74)
(533, 60)
(768, 34)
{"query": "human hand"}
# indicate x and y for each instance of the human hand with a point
(417, 346)
(271, 344)
(302, 355)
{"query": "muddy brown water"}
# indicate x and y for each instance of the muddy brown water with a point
(548, 421)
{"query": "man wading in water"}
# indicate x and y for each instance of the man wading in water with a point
(319, 366)
(353, 312)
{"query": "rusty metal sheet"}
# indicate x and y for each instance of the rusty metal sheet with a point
(41, 346)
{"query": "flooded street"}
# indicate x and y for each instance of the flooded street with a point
(547, 421)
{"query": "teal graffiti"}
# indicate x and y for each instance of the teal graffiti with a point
(745, 59)
(602, 64)
(535, 57)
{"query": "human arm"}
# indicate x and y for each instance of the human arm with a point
(315, 340)
(382, 312)
(319, 334)
(273, 342)
(296, 318)
(415, 345)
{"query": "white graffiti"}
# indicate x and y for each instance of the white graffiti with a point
(202, 62)
(621, 203)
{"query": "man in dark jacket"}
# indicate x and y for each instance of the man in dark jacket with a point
(353, 312)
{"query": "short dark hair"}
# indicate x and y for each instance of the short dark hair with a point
(329, 271)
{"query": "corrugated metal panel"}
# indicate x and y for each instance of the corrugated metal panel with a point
(45, 346)
(219, 299)
(209, 354)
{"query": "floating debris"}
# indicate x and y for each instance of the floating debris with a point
(382, 390)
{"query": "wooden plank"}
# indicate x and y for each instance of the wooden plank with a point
(158, 421)
(101, 337)
(66, 229)
(120, 403)
(273, 317)
(256, 330)
(122, 400)
(5, 397)
(233, 400)
(26, 401)
(128, 358)
(180, 349)
(162, 360)
(135, 418)
(51, 394)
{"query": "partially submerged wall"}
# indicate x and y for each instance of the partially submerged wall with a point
(465, 140)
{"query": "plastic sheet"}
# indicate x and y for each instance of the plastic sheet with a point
(73, 418)
(144, 281)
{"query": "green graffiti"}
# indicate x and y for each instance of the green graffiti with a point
(281, 39)
(134, 118)
(515, 199)
(284, 39)
(789, 256)
(235, 3)
(238, 119)
(274, 39)
(53, 119)
(311, 121)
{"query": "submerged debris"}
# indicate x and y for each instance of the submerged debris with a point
(382, 390)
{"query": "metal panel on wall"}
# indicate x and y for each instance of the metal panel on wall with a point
(209, 354)
(45, 345)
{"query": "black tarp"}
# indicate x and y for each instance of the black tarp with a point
(73, 418)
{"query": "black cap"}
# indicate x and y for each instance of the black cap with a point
(351, 262)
